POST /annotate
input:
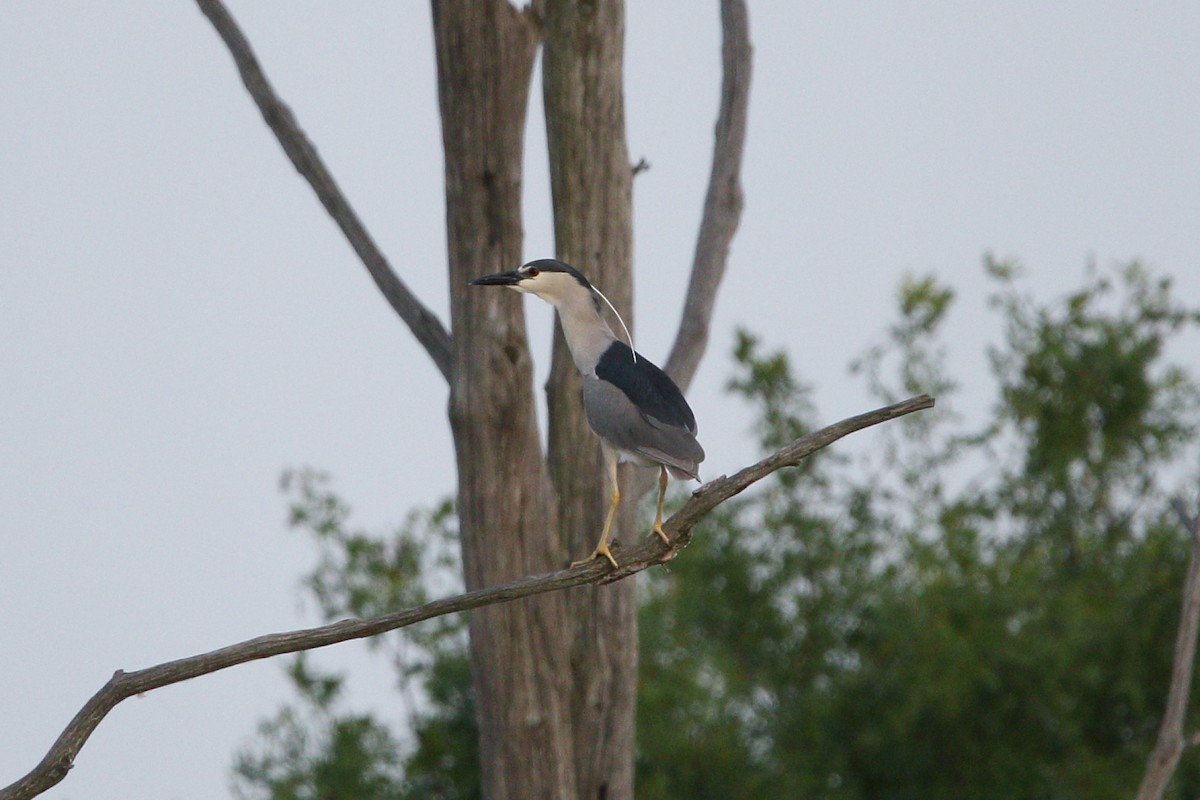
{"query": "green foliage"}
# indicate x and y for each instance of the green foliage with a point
(1096, 412)
(937, 620)
(313, 753)
(983, 610)
(316, 750)
(781, 404)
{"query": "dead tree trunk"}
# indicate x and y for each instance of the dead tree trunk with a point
(485, 53)
(591, 182)
(556, 682)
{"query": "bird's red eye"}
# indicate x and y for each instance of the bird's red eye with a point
(532, 273)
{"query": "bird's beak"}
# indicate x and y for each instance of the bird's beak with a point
(499, 279)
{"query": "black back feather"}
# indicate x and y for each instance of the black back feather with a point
(647, 386)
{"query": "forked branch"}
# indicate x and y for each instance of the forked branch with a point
(423, 323)
(58, 761)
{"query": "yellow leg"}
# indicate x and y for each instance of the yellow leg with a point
(602, 547)
(662, 495)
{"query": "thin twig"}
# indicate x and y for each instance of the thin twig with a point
(1160, 767)
(58, 761)
(423, 323)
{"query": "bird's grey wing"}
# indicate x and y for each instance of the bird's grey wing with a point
(683, 447)
(615, 418)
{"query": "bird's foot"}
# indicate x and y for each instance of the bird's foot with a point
(600, 552)
(658, 531)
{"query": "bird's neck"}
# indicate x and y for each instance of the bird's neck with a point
(588, 335)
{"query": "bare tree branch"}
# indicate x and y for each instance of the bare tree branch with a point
(723, 202)
(423, 323)
(58, 761)
(1160, 767)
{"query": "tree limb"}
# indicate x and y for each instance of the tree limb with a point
(423, 323)
(723, 202)
(122, 685)
(1160, 767)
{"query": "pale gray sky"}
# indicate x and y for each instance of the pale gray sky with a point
(179, 321)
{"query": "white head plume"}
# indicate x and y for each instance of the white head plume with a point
(628, 335)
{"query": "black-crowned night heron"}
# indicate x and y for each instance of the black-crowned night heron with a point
(636, 410)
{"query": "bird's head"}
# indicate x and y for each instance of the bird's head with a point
(557, 283)
(549, 279)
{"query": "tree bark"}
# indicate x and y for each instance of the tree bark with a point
(591, 183)
(485, 54)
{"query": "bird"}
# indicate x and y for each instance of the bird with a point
(637, 411)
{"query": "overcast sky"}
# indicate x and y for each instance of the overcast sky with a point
(179, 320)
